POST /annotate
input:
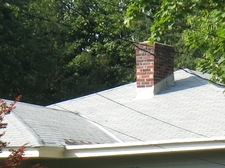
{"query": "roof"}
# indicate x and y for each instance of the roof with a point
(38, 126)
(192, 109)
(185, 117)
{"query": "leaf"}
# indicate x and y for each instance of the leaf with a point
(221, 60)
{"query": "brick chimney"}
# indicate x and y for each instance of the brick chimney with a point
(154, 68)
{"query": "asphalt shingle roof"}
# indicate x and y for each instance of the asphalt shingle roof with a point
(41, 126)
(193, 108)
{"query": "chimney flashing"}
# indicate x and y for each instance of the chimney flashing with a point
(149, 92)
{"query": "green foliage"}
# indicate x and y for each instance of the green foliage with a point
(140, 16)
(53, 50)
(196, 28)
(106, 57)
(207, 32)
(27, 55)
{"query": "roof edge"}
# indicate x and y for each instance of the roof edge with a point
(29, 152)
(118, 149)
(122, 149)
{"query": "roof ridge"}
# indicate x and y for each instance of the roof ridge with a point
(206, 77)
(26, 127)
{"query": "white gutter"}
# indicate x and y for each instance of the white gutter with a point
(37, 152)
(99, 150)
(29, 152)
(121, 149)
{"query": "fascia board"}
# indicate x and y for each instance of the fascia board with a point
(119, 149)
(37, 152)
(29, 152)
(51, 152)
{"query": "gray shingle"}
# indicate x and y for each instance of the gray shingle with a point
(42, 126)
(192, 108)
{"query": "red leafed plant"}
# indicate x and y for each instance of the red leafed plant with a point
(15, 159)
(4, 110)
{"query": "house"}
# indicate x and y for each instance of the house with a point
(165, 119)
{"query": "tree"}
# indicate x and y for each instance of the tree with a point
(105, 58)
(197, 28)
(27, 56)
(54, 50)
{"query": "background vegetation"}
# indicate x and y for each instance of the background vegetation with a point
(195, 27)
(52, 50)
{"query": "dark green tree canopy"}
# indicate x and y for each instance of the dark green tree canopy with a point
(51, 50)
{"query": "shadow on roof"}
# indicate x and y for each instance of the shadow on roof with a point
(186, 83)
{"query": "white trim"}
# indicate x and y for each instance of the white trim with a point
(29, 152)
(51, 152)
(122, 149)
(99, 150)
